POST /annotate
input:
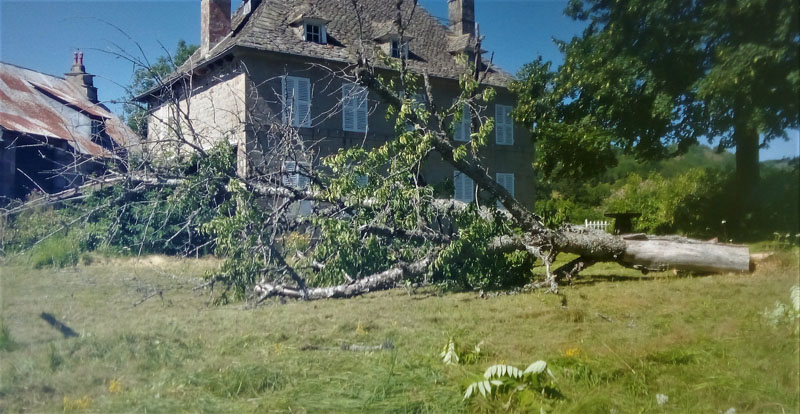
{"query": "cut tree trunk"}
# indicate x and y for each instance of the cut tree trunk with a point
(678, 253)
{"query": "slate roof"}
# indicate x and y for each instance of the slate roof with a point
(41, 105)
(267, 27)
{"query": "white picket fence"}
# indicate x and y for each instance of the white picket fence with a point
(596, 224)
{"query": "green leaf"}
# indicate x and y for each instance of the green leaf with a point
(469, 391)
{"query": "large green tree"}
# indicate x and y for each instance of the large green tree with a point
(653, 76)
(148, 75)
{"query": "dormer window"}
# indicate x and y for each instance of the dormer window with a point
(392, 42)
(399, 49)
(311, 27)
(315, 32)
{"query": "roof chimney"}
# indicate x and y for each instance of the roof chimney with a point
(215, 22)
(78, 77)
(462, 16)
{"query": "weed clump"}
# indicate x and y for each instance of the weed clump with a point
(57, 251)
(241, 381)
(6, 343)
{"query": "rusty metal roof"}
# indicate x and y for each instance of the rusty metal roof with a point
(41, 105)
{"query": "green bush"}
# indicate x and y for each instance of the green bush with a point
(20, 232)
(688, 203)
(6, 343)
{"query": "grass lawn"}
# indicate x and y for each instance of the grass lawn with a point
(621, 338)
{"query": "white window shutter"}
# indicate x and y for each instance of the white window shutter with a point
(290, 177)
(458, 192)
(323, 34)
(303, 169)
(354, 108)
(286, 99)
(506, 180)
(361, 124)
(348, 112)
(499, 125)
(302, 102)
(463, 186)
(510, 129)
(504, 125)
(461, 130)
(295, 176)
(469, 189)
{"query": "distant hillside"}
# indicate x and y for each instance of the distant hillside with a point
(788, 163)
(697, 156)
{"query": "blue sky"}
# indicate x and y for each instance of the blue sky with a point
(42, 35)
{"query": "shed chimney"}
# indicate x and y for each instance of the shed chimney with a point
(462, 16)
(77, 76)
(215, 22)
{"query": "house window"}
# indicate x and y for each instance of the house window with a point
(464, 188)
(461, 129)
(507, 181)
(97, 129)
(354, 108)
(295, 175)
(315, 33)
(504, 125)
(399, 49)
(296, 101)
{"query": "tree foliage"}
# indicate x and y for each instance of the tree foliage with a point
(148, 76)
(655, 77)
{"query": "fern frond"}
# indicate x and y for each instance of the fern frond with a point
(501, 370)
(537, 367)
(449, 355)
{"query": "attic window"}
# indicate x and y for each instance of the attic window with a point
(315, 32)
(399, 50)
(97, 129)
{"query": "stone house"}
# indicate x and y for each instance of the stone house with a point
(54, 131)
(274, 61)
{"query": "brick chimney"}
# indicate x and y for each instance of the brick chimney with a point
(462, 16)
(215, 22)
(77, 76)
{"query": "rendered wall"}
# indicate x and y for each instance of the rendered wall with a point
(214, 111)
(326, 135)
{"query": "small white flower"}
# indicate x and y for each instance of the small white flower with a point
(662, 399)
(731, 411)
